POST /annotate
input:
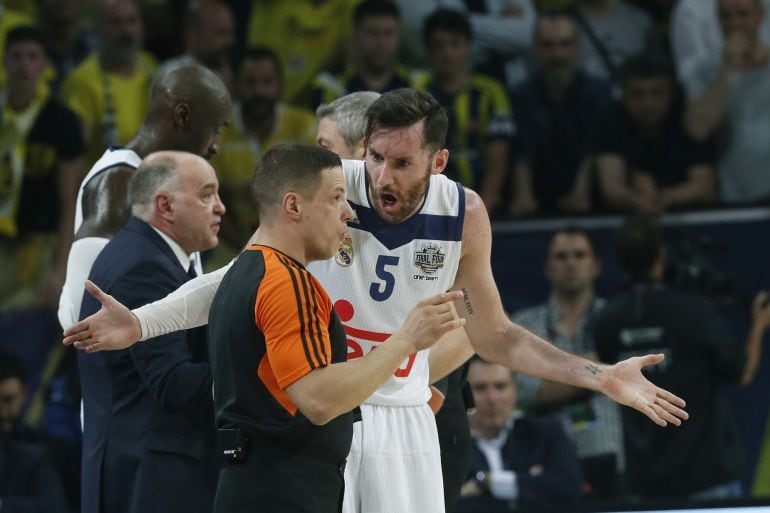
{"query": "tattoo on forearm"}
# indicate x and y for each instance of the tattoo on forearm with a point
(593, 369)
(467, 301)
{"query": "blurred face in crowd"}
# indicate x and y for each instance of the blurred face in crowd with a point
(376, 41)
(258, 86)
(495, 393)
(24, 63)
(571, 266)
(648, 100)
(120, 30)
(212, 38)
(557, 46)
(399, 168)
(743, 16)
(12, 395)
(448, 53)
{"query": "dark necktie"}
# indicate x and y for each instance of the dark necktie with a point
(191, 270)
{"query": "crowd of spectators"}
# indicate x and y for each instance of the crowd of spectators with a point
(556, 107)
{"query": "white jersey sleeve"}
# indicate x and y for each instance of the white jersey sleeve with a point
(382, 270)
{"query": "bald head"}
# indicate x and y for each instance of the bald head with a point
(189, 83)
(178, 193)
(189, 107)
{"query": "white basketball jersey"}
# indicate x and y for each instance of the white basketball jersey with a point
(113, 157)
(382, 270)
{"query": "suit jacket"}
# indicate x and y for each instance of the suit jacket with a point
(148, 412)
(534, 441)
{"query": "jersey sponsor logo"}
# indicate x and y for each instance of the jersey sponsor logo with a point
(360, 342)
(344, 255)
(429, 259)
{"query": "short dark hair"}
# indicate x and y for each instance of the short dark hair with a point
(12, 366)
(24, 34)
(289, 167)
(646, 65)
(258, 53)
(374, 8)
(574, 230)
(404, 107)
(638, 243)
(447, 20)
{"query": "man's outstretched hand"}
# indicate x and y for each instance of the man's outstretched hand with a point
(626, 385)
(112, 327)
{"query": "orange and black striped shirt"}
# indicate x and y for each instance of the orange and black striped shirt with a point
(270, 324)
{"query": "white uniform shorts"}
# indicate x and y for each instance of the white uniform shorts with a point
(394, 464)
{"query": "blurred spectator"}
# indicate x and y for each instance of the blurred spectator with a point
(29, 482)
(109, 90)
(502, 34)
(645, 159)
(555, 111)
(590, 419)
(480, 120)
(309, 36)
(703, 458)
(260, 120)
(10, 18)
(41, 166)
(209, 38)
(374, 54)
(611, 31)
(517, 462)
(697, 42)
(342, 124)
(736, 99)
(68, 40)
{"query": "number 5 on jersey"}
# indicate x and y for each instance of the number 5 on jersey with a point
(383, 289)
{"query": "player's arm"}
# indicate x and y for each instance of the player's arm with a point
(449, 353)
(116, 327)
(497, 339)
(327, 392)
(69, 173)
(105, 207)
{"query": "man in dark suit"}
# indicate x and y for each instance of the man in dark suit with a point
(517, 462)
(148, 413)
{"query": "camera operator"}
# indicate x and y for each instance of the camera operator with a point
(702, 460)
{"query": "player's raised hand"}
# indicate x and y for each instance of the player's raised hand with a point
(112, 327)
(431, 318)
(626, 385)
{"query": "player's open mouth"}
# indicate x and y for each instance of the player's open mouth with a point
(388, 200)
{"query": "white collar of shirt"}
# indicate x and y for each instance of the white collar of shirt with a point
(491, 447)
(183, 258)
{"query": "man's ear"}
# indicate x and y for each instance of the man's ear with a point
(440, 160)
(292, 205)
(181, 114)
(164, 205)
(360, 149)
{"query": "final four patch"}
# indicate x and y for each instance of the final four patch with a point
(344, 256)
(429, 259)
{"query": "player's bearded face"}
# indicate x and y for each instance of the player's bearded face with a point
(395, 205)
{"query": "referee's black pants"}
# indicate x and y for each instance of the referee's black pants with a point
(281, 481)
